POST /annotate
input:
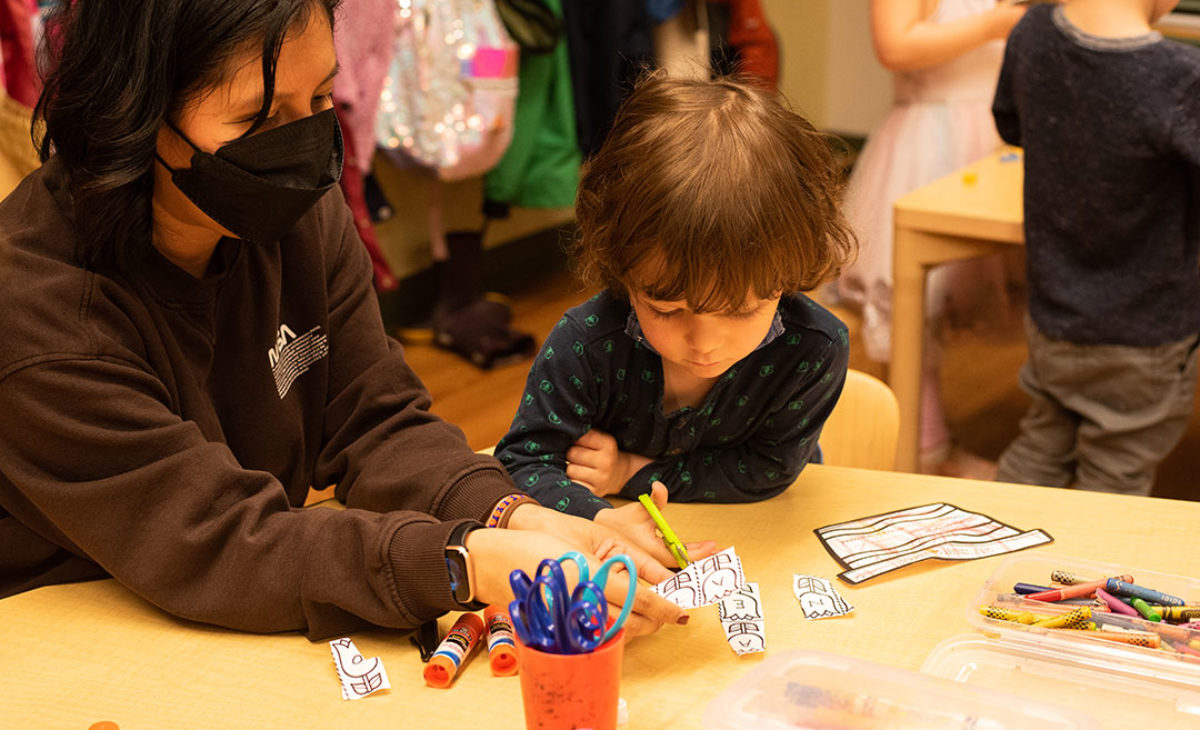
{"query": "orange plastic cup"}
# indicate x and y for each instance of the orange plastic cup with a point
(571, 690)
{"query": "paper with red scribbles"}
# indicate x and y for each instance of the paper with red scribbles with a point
(705, 581)
(742, 618)
(360, 677)
(871, 546)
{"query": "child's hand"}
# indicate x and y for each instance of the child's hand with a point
(596, 463)
(633, 522)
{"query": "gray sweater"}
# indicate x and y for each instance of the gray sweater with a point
(1111, 131)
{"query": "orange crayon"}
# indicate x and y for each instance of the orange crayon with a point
(1134, 638)
(502, 650)
(454, 651)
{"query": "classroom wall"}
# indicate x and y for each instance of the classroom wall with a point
(829, 71)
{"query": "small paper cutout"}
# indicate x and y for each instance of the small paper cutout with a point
(818, 598)
(705, 581)
(742, 618)
(360, 677)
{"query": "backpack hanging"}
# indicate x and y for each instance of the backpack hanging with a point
(451, 89)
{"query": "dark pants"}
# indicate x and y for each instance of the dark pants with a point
(1103, 416)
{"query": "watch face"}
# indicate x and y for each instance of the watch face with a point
(460, 580)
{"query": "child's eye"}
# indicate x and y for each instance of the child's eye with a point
(665, 315)
(744, 314)
(322, 102)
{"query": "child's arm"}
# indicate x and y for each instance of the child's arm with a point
(1004, 105)
(905, 40)
(1186, 126)
(767, 462)
(556, 409)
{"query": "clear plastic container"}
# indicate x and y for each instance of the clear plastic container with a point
(1162, 665)
(1010, 675)
(810, 689)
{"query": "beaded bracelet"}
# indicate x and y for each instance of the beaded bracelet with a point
(504, 509)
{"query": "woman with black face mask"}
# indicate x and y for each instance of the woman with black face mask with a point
(190, 341)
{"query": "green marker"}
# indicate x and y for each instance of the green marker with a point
(673, 544)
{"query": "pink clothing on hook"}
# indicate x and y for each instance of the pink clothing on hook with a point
(363, 36)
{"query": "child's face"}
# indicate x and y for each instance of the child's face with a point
(704, 345)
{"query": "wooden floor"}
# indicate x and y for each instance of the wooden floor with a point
(979, 384)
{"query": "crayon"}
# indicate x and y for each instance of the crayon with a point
(502, 650)
(1179, 613)
(1144, 608)
(1115, 604)
(1119, 587)
(1065, 620)
(1134, 638)
(1029, 588)
(1007, 614)
(454, 651)
(1068, 578)
(1077, 590)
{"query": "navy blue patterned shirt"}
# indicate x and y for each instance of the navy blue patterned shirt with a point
(747, 441)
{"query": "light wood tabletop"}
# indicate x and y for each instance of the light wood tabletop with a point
(77, 654)
(972, 212)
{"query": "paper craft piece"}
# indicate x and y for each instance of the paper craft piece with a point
(872, 546)
(705, 581)
(818, 598)
(360, 677)
(742, 618)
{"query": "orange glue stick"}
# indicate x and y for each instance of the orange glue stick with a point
(502, 650)
(454, 651)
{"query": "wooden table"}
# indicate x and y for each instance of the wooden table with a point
(77, 654)
(972, 212)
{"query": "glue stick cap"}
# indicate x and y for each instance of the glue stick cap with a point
(453, 651)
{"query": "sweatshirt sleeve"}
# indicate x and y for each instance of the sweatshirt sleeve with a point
(556, 408)
(382, 446)
(106, 470)
(769, 460)
(1004, 104)
(1185, 125)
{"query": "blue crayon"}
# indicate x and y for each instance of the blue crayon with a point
(1149, 595)
(1024, 588)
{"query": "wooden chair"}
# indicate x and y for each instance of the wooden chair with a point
(864, 426)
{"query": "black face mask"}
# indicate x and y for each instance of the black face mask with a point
(258, 187)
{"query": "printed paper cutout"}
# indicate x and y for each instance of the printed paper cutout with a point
(360, 677)
(742, 618)
(705, 581)
(818, 598)
(872, 546)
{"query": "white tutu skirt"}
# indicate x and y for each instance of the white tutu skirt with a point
(916, 144)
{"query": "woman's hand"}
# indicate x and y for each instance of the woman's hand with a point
(535, 533)
(595, 462)
(633, 522)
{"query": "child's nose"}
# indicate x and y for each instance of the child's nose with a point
(704, 335)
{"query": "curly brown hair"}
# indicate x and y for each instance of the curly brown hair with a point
(707, 190)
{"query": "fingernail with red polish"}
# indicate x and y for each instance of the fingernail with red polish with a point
(682, 619)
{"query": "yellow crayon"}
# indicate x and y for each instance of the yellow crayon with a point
(1066, 620)
(1007, 614)
(1179, 613)
(1134, 638)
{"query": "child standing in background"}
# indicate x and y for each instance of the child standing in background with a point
(706, 212)
(946, 57)
(1109, 115)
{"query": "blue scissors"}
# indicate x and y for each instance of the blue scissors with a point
(549, 617)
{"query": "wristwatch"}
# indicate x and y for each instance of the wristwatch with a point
(458, 563)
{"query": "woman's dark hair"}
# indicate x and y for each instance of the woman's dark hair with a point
(114, 71)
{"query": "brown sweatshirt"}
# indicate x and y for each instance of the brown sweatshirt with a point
(165, 430)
